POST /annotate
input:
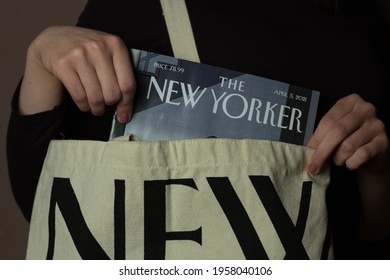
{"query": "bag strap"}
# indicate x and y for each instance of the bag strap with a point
(180, 29)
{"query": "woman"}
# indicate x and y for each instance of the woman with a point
(76, 77)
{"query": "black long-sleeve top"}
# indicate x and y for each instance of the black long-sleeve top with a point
(284, 40)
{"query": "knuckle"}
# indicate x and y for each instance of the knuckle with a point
(128, 86)
(365, 154)
(84, 108)
(96, 103)
(378, 127)
(98, 111)
(338, 160)
(68, 59)
(330, 118)
(62, 62)
(355, 97)
(348, 146)
(97, 46)
(352, 98)
(114, 40)
(340, 130)
(72, 58)
(116, 95)
(352, 164)
(327, 120)
(95, 99)
(83, 105)
(113, 97)
(79, 97)
(77, 52)
(369, 109)
(313, 142)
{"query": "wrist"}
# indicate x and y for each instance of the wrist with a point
(40, 90)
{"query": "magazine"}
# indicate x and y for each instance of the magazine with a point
(180, 99)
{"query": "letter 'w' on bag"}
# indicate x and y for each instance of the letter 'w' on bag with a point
(192, 199)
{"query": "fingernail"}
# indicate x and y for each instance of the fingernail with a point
(124, 118)
(312, 169)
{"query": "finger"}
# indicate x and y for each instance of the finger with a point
(334, 136)
(108, 80)
(127, 83)
(342, 108)
(359, 138)
(125, 108)
(365, 153)
(92, 87)
(376, 148)
(73, 84)
(100, 54)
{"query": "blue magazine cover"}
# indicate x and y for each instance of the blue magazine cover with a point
(179, 99)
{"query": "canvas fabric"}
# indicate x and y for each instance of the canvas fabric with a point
(188, 199)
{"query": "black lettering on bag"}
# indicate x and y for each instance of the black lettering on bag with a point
(155, 219)
(156, 236)
(238, 218)
(327, 244)
(119, 220)
(289, 234)
(62, 194)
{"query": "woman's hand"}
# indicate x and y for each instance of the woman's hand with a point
(94, 67)
(352, 135)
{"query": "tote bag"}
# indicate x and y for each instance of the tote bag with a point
(191, 199)
(188, 199)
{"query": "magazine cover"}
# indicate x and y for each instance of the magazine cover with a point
(179, 99)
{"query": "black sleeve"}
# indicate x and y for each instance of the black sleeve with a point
(28, 138)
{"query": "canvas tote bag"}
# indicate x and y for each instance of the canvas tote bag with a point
(188, 199)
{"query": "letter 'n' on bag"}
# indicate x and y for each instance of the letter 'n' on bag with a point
(191, 199)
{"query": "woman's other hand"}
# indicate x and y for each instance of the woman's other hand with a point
(352, 135)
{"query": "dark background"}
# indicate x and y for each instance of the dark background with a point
(20, 22)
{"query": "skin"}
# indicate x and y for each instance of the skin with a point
(96, 70)
(94, 67)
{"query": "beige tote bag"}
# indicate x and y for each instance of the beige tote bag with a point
(191, 199)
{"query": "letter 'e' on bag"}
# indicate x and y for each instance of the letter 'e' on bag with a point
(190, 199)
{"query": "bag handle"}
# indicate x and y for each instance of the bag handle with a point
(180, 29)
